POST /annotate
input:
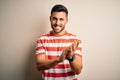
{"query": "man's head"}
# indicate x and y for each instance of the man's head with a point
(59, 18)
(59, 8)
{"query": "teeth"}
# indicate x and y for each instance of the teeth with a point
(57, 27)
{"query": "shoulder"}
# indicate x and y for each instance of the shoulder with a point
(73, 36)
(43, 37)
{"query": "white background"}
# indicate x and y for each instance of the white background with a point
(96, 22)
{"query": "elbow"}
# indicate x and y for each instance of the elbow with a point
(78, 72)
(38, 66)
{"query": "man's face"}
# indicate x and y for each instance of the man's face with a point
(58, 21)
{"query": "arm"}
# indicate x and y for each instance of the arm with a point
(76, 64)
(44, 64)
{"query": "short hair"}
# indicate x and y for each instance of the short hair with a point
(59, 8)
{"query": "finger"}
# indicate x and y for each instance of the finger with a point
(69, 55)
(71, 48)
(76, 43)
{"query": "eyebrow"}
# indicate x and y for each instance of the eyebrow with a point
(57, 18)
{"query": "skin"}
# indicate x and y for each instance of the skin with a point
(58, 21)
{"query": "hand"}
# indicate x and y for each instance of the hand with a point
(71, 49)
(64, 54)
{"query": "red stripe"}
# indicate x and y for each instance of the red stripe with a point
(75, 79)
(62, 66)
(38, 48)
(51, 48)
(51, 57)
(56, 40)
(58, 74)
(79, 48)
(39, 53)
(55, 48)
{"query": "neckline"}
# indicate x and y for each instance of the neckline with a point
(51, 32)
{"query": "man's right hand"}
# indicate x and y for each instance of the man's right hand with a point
(64, 54)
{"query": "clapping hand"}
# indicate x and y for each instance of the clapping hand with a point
(69, 51)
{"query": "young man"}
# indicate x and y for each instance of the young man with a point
(58, 53)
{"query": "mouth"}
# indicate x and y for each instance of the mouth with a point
(57, 27)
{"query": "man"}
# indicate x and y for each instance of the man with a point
(58, 53)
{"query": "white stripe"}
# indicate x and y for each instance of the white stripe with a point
(38, 45)
(56, 53)
(58, 70)
(80, 45)
(62, 37)
(53, 53)
(60, 78)
(54, 44)
(65, 62)
(40, 51)
(78, 52)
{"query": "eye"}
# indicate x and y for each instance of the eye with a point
(61, 19)
(54, 18)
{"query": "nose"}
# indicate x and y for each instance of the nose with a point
(57, 22)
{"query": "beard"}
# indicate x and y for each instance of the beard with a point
(61, 28)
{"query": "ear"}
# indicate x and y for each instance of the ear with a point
(66, 19)
(50, 18)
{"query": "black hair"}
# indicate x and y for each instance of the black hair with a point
(59, 8)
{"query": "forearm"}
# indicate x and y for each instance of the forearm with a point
(47, 64)
(76, 66)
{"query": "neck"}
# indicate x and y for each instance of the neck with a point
(59, 34)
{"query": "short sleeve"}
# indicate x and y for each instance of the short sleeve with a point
(39, 47)
(79, 48)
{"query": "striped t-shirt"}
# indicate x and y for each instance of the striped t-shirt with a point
(52, 46)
